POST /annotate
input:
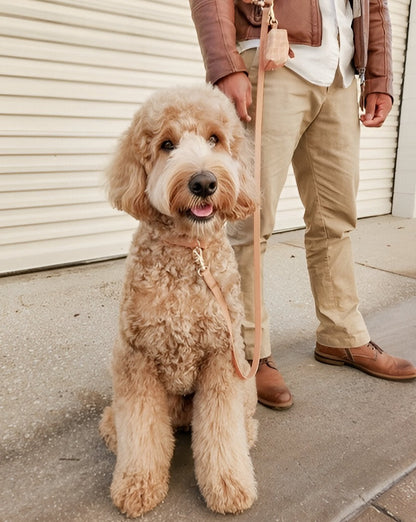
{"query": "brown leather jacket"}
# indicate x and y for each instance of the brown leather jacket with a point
(220, 23)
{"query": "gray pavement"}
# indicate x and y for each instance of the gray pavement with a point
(345, 451)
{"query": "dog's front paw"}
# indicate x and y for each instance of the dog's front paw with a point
(134, 494)
(229, 495)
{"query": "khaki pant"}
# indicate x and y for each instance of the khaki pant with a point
(317, 129)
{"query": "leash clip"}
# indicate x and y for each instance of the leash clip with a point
(199, 260)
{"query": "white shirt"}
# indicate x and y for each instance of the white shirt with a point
(318, 65)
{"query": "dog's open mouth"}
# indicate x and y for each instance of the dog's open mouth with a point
(202, 213)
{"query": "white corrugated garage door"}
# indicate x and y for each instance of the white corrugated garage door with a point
(72, 73)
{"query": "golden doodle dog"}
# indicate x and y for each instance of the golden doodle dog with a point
(183, 168)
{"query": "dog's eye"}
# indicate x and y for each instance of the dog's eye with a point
(213, 140)
(167, 145)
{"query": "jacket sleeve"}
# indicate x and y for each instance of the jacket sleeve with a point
(215, 26)
(379, 75)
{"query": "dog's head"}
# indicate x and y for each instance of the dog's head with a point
(185, 156)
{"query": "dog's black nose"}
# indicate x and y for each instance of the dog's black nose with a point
(203, 184)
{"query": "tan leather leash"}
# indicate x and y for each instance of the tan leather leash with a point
(197, 247)
(269, 59)
(212, 284)
(257, 180)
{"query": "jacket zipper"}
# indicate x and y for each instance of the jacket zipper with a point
(361, 77)
(362, 59)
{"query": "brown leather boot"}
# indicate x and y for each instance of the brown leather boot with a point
(368, 358)
(271, 388)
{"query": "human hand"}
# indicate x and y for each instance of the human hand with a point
(377, 108)
(237, 87)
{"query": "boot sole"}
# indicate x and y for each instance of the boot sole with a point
(338, 362)
(284, 406)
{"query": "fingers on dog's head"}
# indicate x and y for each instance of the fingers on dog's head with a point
(247, 199)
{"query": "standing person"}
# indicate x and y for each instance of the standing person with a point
(310, 118)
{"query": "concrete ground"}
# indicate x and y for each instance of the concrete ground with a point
(346, 450)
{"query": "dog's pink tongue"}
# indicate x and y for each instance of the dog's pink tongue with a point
(202, 211)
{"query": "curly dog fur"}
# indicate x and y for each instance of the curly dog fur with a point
(183, 169)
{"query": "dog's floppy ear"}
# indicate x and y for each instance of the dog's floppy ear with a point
(246, 199)
(126, 176)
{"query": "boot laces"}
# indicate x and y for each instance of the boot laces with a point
(268, 361)
(375, 346)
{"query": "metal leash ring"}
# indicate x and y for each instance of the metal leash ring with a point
(199, 260)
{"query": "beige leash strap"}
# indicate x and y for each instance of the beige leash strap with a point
(212, 284)
(204, 270)
(197, 248)
(257, 178)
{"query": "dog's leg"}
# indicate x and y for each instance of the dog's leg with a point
(144, 436)
(220, 443)
(250, 403)
(108, 430)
